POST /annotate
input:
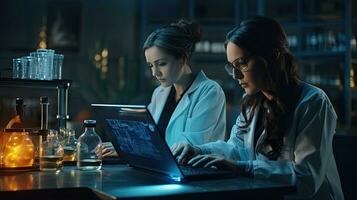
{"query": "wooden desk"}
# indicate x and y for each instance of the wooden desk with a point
(123, 182)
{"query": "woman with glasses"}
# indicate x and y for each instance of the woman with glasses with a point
(286, 126)
(187, 106)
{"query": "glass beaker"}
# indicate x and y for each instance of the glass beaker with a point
(57, 66)
(51, 157)
(69, 145)
(45, 61)
(17, 68)
(28, 63)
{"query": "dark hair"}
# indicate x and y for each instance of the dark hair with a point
(177, 39)
(274, 70)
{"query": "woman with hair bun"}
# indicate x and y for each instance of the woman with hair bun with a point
(188, 107)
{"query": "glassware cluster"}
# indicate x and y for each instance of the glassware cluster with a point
(43, 64)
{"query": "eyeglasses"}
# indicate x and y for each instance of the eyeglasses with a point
(240, 64)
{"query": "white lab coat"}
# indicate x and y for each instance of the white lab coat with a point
(307, 154)
(199, 117)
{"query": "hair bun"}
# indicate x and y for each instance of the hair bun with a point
(192, 29)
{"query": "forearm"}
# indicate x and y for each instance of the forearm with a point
(222, 148)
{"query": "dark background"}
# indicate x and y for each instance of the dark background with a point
(322, 35)
(80, 29)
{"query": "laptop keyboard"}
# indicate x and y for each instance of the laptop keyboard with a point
(189, 171)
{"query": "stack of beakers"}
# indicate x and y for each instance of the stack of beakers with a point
(42, 64)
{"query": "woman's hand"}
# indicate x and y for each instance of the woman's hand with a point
(216, 161)
(108, 149)
(184, 152)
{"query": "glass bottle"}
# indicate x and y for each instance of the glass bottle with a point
(17, 120)
(89, 148)
(20, 107)
(69, 145)
(44, 117)
(44, 112)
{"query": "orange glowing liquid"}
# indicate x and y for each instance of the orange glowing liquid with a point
(19, 151)
(69, 154)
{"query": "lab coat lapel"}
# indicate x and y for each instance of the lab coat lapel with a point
(181, 107)
(185, 101)
(160, 102)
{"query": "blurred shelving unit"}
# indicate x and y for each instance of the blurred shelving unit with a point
(320, 36)
(30, 88)
(320, 33)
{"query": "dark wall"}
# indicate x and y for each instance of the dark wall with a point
(88, 26)
(20, 22)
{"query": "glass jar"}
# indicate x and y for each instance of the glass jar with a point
(89, 148)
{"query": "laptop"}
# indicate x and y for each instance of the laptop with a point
(139, 142)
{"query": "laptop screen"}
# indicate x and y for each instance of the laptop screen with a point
(136, 138)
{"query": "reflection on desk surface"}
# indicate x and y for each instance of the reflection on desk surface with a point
(122, 181)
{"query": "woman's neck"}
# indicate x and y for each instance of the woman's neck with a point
(183, 83)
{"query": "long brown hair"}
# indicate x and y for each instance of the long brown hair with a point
(275, 70)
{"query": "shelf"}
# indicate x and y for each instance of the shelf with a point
(62, 87)
(209, 57)
(319, 53)
(330, 22)
(9, 82)
(315, 23)
(199, 56)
